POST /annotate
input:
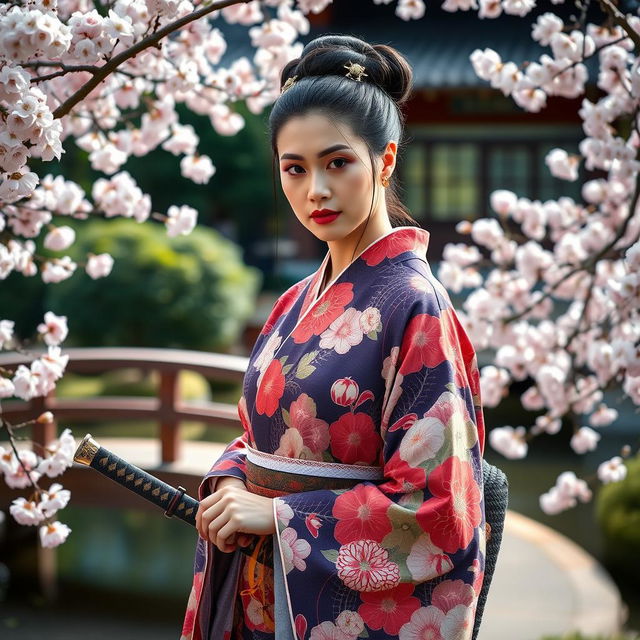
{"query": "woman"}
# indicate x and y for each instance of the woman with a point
(360, 465)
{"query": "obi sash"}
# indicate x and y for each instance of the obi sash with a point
(272, 475)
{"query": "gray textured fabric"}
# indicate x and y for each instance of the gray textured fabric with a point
(281, 607)
(496, 499)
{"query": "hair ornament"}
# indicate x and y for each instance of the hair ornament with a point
(355, 71)
(290, 81)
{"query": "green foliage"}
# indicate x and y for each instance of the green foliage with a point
(190, 292)
(618, 515)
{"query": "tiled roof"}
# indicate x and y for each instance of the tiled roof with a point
(438, 48)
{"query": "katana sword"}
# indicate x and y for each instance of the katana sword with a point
(176, 502)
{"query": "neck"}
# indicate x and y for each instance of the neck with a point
(344, 250)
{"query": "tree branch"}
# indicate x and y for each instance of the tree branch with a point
(150, 41)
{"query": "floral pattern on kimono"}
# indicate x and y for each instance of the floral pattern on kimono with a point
(377, 371)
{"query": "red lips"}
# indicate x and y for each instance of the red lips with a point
(323, 212)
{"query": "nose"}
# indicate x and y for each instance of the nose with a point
(318, 187)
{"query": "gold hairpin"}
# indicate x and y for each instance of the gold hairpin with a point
(290, 82)
(355, 71)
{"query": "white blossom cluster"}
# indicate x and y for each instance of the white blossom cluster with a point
(561, 304)
(22, 469)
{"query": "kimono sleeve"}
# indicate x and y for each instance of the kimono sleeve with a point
(232, 461)
(424, 522)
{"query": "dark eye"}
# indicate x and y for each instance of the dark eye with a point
(295, 173)
(340, 159)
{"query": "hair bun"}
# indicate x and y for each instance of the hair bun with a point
(326, 55)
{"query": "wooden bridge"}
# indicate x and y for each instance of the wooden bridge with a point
(168, 456)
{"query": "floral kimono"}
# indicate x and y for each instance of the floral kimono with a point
(363, 421)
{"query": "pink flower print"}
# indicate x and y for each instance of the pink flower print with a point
(389, 609)
(284, 512)
(294, 550)
(344, 391)
(313, 430)
(425, 623)
(290, 444)
(266, 355)
(328, 631)
(343, 333)
(390, 403)
(426, 561)
(458, 623)
(354, 439)
(450, 593)
(423, 440)
(370, 320)
(361, 514)
(350, 623)
(364, 565)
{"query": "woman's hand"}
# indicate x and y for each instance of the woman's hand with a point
(231, 511)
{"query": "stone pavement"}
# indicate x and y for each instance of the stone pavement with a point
(545, 584)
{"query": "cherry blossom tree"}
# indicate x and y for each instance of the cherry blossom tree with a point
(107, 75)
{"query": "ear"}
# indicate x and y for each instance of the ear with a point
(389, 158)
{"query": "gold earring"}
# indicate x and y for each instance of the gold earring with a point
(385, 181)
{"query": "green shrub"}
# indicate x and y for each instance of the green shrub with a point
(618, 515)
(189, 292)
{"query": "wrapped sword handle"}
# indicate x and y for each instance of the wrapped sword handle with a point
(174, 501)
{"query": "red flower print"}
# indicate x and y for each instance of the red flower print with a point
(313, 524)
(323, 313)
(364, 565)
(192, 604)
(362, 514)
(421, 344)
(243, 413)
(391, 245)
(271, 389)
(458, 352)
(451, 516)
(283, 304)
(389, 609)
(403, 477)
(354, 439)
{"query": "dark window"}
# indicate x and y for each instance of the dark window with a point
(452, 179)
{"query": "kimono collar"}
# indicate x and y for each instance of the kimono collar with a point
(392, 244)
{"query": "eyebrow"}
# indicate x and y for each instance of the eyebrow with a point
(295, 156)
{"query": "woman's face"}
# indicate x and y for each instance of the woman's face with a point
(340, 179)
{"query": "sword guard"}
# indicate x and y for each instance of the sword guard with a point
(174, 501)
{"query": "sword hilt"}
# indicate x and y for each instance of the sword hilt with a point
(174, 501)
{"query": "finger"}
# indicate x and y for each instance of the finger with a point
(227, 529)
(244, 539)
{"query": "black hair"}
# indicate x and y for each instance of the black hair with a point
(371, 107)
